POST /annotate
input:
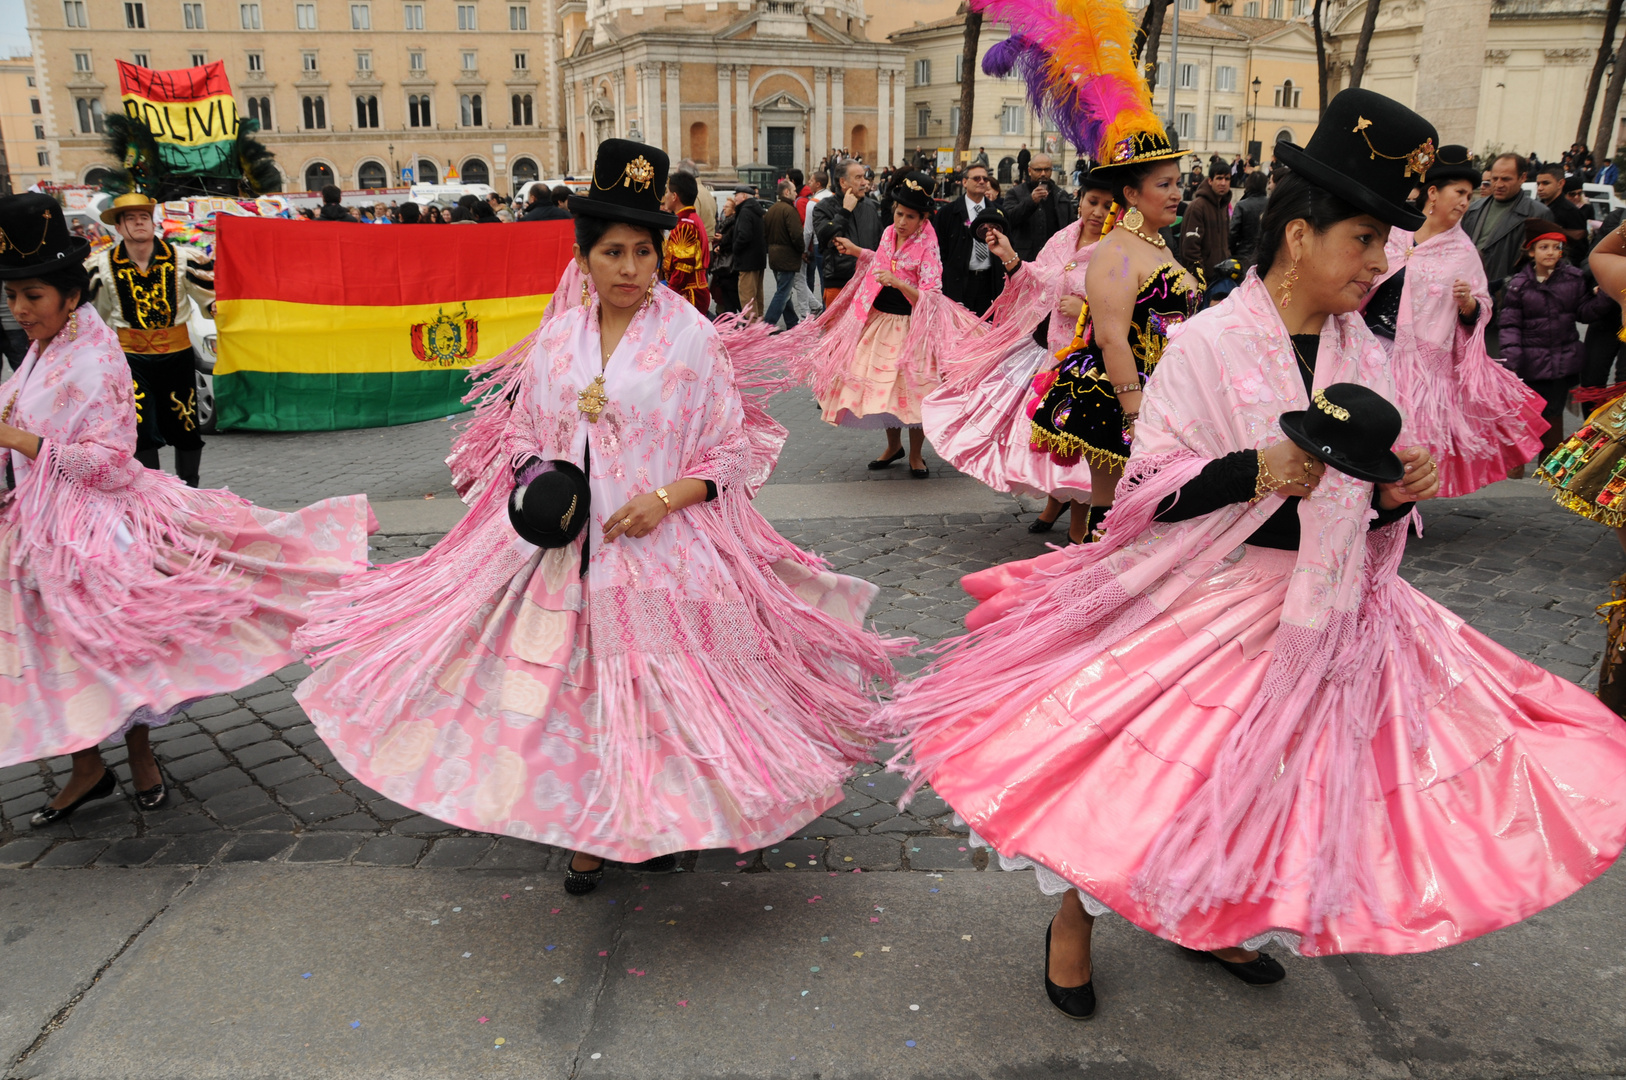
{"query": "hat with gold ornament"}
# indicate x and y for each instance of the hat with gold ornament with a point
(914, 191)
(35, 239)
(629, 181)
(1351, 428)
(1452, 163)
(131, 201)
(1370, 151)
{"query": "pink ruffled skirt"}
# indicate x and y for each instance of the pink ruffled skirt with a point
(56, 698)
(879, 389)
(986, 432)
(1512, 803)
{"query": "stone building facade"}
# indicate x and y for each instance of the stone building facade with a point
(22, 126)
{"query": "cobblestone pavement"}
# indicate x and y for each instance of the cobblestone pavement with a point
(254, 783)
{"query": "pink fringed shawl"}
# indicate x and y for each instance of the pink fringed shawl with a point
(1221, 386)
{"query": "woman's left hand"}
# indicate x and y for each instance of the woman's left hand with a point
(636, 519)
(1464, 296)
(888, 278)
(1421, 482)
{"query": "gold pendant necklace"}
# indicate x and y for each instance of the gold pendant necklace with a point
(591, 401)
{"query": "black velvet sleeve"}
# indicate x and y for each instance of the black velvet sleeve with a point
(711, 490)
(1223, 481)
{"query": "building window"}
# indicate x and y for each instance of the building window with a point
(39, 131)
(361, 17)
(317, 176)
(1275, 9)
(1222, 127)
(519, 17)
(315, 112)
(523, 170)
(249, 15)
(471, 61)
(1188, 76)
(954, 120)
(34, 105)
(305, 16)
(474, 171)
(520, 105)
(1287, 95)
(465, 17)
(364, 62)
(418, 115)
(259, 111)
(1301, 7)
(135, 16)
(1010, 120)
(309, 61)
(923, 72)
(415, 62)
(427, 172)
(256, 63)
(413, 16)
(923, 121)
(1188, 5)
(372, 176)
(366, 111)
(90, 115)
(29, 79)
(73, 11)
(81, 63)
(1225, 79)
(473, 110)
(959, 68)
(44, 157)
(141, 60)
(1251, 9)
(192, 16)
(521, 62)
(1185, 124)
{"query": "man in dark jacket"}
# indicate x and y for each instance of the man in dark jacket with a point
(1496, 224)
(331, 210)
(971, 276)
(1037, 209)
(546, 205)
(782, 226)
(1023, 159)
(750, 248)
(1245, 218)
(851, 214)
(1205, 235)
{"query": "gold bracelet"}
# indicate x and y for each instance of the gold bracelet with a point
(665, 498)
(1266, 482)
(1126, 388)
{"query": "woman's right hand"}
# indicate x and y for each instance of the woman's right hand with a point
(1069, 307)
(1286, 460)
(847, 247)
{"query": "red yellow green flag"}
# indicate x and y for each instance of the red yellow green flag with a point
(190, 112)
(327, 325)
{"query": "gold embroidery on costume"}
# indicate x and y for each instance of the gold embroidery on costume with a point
(146, 297)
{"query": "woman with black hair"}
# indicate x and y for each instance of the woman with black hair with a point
(648, 667)
(1231, 721)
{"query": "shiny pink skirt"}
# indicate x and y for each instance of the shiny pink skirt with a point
(1516, 798)
(985, 432)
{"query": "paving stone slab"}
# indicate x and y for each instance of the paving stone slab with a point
(70, 855)
(22, 852)
(326, 847)
(794, 854)
(133, 851)
(940, 853)
(510, 853)
(864, 853)
(390, 851)
(218, 783)
(198, 850)
(257, 847)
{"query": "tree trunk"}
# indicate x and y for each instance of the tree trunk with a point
(1364, 42)
(1320, 57)
(1611, 105)
(1152, 24)
(1611, 20)
(968, 83)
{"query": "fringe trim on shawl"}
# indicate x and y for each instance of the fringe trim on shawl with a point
(126, 575)
(478, 443)
(1010, 322)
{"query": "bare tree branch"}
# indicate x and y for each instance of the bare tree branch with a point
(1364, 42)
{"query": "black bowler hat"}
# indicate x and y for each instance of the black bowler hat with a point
(35, 239)
(629, 181)
(914, 190)
(990, 217)
(1369, 151)
(549, 507)
(1452, 163)
(1352, 429)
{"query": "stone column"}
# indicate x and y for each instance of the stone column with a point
(618, 87)
(745, 148)
(649, 102)
(883, 115)
(569, 156)
(1453, 39)
(589, 95)
(725, 118)
(820, 137)
(896, 153)
(838, 107)
(674, 112)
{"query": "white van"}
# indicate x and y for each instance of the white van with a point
(424, 194)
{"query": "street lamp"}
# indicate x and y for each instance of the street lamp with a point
(390, 149)
(1253, 136)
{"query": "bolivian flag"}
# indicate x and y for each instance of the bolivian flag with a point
(190, 112)
(324, 325)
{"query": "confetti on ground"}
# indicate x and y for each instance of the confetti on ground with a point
(914, 1008)
(812, 969)
(434, 922)
(457, 909)
(500, 1042)
(767, 907)
(886, 948)
(640, 907)
(355, 1023)
(737, 862)
(965, 937)
(858, 954)
(550, 948)
(909, 1042)
(635, 971)
(528, 888)
(824, 939)
(604, 952)
(555, 911)
(557, 979)
(814, 899)
(306, 975)
(804, 993)
(467, 955)
(962, 849)
(790, 865)
(671, 922)
(931, 890)
(505, 896)
(684, 1003)
(873, 918)
(597, 1056)
(773, 851)
(846, 858)
(485, 1019)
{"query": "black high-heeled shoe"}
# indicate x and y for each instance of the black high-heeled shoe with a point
(920, 474)
(582, 882)
(660, 864)
(154, 798)
(1262, 970)
(1074, 1002)
(887, 462)
(1040, 525)
(101, 789)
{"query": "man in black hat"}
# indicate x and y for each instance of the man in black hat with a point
(971, 277)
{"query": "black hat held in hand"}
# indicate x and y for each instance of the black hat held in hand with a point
(990, 217)
(629, 181)
(551, 508)
(1369, 151)
(1352, 429)
(35, 239)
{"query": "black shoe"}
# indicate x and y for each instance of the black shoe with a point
(101, 789)
(660, 864)
(877, 464)
(154, 798)
(1040, 525)
(920, 474)
(1262, 970)
(1075, 1002)
(188, 464)
(582, 882)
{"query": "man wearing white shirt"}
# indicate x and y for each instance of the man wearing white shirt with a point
(971, 276)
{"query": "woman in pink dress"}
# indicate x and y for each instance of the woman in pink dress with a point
(647, 667)
(979, 419)
(1232, 721)
(128, 594)
(1430, 311)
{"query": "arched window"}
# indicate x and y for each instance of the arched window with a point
(524, 169)
(259, 111)
(523, 114)
(1288, 95)
(474, 171)
(366, 111)
(428, 172)
(418, 114)
(699, 142)
(318, 174)
(315, 108)
(372, 175)
(97, 176)
(860, 140)
(473, 110)
(1284, 135)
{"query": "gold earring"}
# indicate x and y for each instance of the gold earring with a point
(1133, 219)
(73, 325)
(584, 294)
(1288, 282)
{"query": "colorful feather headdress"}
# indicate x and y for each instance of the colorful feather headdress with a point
(1081, 66)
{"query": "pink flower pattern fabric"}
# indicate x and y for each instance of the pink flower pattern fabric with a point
(126, 593)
